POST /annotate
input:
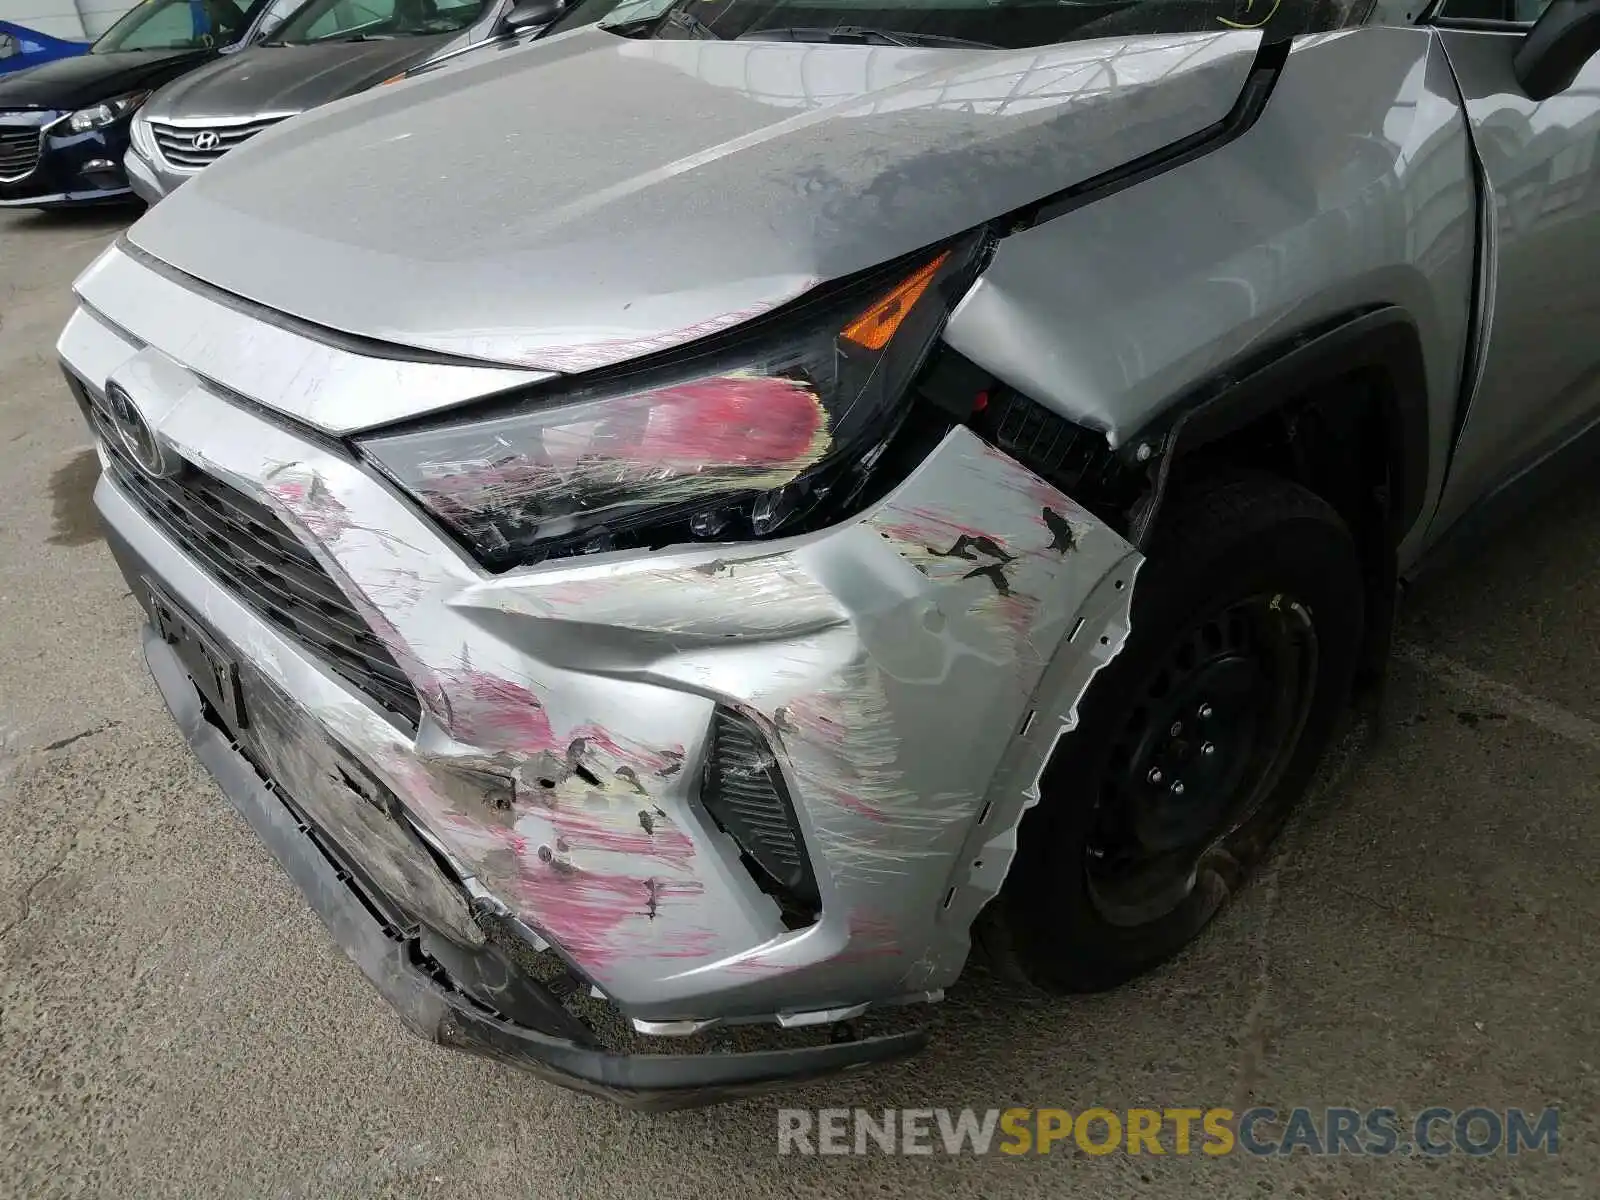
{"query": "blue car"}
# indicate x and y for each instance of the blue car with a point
(64, 125)
(23, 47)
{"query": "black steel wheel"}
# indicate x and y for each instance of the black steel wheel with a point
(1193, 744)
(1199, 753)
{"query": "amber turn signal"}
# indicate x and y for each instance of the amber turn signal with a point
(873, 328)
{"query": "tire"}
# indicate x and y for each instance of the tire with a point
(1251, 591)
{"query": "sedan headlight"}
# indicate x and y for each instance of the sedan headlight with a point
(100, 115)
(143, 139)
(769, 435)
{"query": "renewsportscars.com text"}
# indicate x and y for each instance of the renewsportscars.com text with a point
(1377, 1132)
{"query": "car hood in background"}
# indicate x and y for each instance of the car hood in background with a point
(272, 80)
(592, 198)
(90, 78)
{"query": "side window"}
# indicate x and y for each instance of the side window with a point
(173, 25)
(8, 46)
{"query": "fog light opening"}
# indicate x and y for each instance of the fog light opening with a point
(744, 792)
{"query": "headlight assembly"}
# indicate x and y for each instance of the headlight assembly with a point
(143, 139)
(761, 438)
(98, 116)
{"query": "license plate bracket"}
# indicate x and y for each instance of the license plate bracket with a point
(211, 668)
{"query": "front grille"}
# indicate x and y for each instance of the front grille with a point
(19, 152)
(240, 542)
(190, 147)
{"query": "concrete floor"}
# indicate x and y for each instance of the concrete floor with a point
(173, 1020)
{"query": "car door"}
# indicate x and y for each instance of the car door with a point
(1540, 354)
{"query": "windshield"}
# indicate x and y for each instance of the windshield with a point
(1009, 23)
(370, 20)
(176, 25)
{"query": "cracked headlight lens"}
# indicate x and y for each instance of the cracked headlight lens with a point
(761, 436)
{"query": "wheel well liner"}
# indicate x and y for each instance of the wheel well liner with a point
(1381, 341)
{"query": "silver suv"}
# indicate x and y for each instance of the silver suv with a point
(862, 481)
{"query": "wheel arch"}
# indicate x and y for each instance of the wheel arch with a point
(1341, 408)
(1381, 345)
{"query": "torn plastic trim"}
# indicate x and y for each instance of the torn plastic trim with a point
(652, 1081)
(1099, 635)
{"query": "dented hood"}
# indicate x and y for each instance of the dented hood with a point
(591, 198)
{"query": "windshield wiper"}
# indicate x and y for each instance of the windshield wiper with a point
(861, 34)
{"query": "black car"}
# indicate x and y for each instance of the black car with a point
(64, 125)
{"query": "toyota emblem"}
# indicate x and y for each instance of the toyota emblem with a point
(136, 436)
(206, 139)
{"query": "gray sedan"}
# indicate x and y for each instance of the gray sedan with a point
(326, 50)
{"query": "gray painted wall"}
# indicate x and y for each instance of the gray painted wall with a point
(65, 18)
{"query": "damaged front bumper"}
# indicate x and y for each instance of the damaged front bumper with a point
(528, 785)
(431, 1007)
